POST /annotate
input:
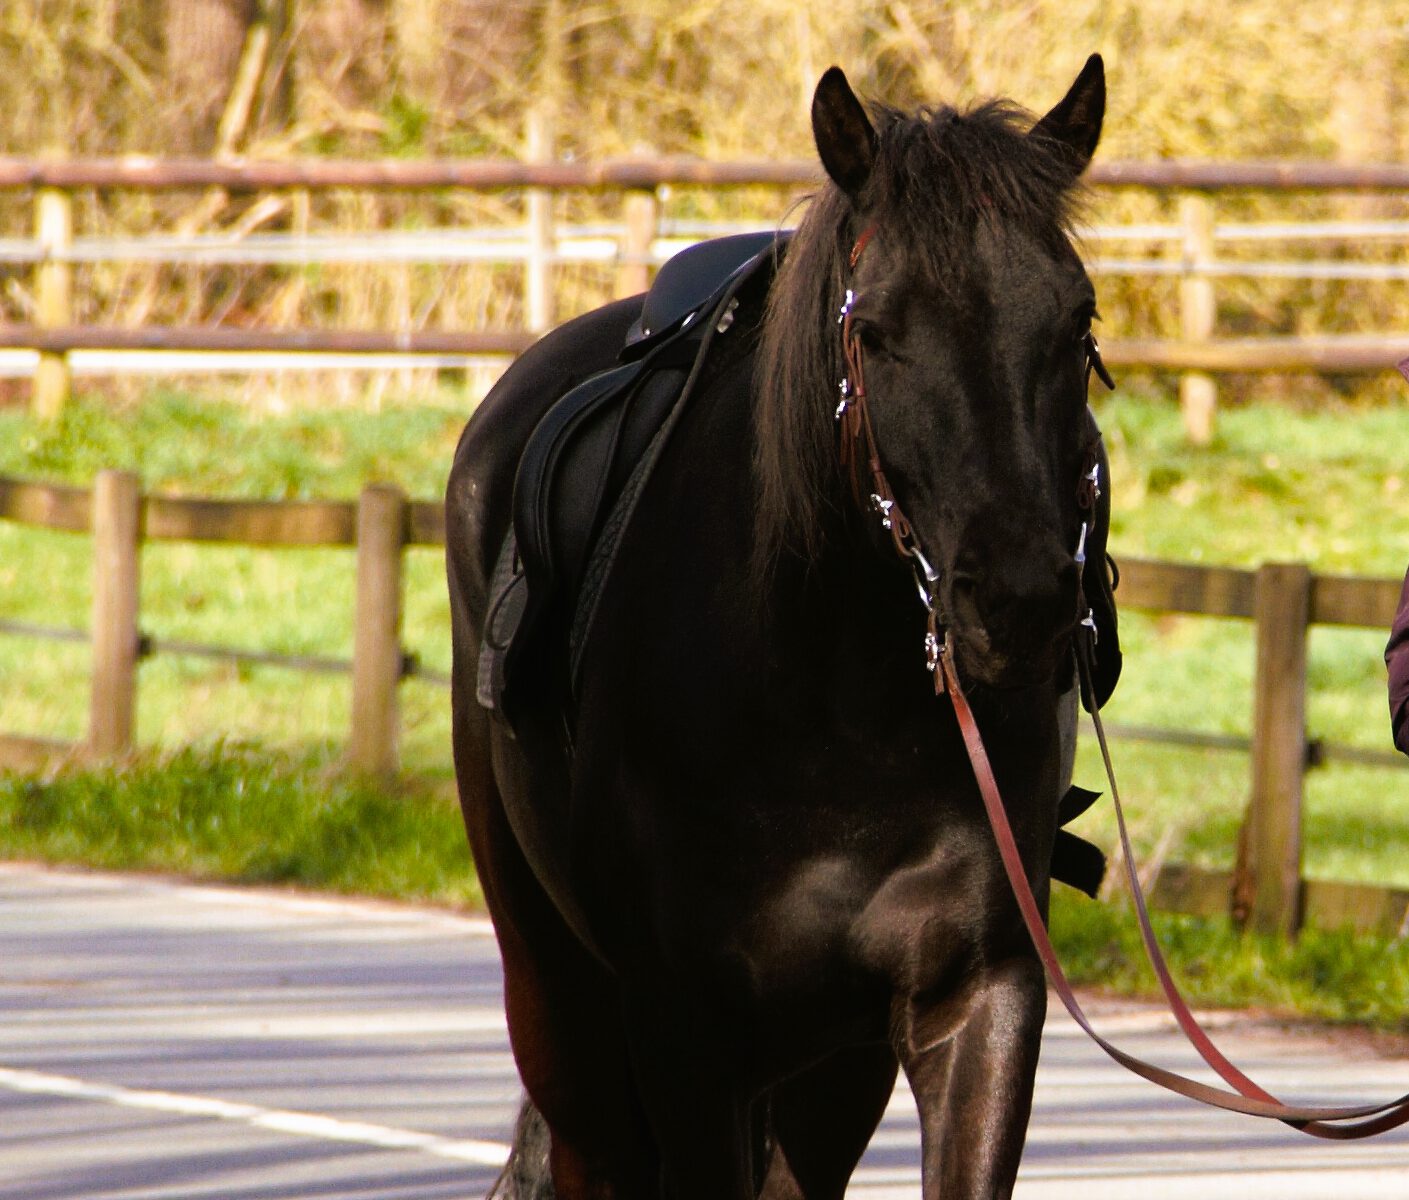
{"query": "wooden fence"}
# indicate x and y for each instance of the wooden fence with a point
(1198, 355)
(1282, 600)
(381, 524)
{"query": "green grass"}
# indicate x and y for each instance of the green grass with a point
(1319, 487)
(237, 778)
(283, 600)
(1325, 487)
(236, 812)
(1329, 975)
(198, 445)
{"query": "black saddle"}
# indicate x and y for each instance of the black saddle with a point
(687, 281)
(587, 460)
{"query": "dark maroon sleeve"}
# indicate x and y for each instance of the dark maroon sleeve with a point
(1397, 660)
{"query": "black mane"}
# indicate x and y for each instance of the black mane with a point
(936, 171)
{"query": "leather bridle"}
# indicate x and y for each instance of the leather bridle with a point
(857, 435)
(853, 416)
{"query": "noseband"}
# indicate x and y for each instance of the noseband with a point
(858, 436)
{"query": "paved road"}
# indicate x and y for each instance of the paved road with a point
(169, 1042)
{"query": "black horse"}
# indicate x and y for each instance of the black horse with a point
(738, 864)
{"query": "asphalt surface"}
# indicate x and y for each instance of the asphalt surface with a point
(172, 1042)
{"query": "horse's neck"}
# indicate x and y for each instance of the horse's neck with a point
(849, 612)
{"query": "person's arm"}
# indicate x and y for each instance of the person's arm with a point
(1397, 660)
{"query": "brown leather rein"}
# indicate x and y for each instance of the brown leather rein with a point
(853, 417)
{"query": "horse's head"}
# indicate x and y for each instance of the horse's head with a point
(969, 313)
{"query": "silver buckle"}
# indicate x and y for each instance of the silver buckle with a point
(933, 649)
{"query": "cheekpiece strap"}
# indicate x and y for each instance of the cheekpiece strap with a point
(866, 235)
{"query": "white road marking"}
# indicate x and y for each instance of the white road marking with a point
(360, 1025)
(257, 902)
(483, 1153)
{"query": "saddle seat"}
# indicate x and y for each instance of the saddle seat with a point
(588, 459)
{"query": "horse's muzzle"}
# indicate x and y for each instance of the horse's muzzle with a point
(1012, 622)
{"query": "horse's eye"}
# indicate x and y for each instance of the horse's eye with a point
(871, 335)
(1083, 322)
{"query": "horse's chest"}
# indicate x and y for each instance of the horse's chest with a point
(770, 886)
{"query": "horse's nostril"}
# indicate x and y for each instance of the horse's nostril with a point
(1021, 610)
(965, 595)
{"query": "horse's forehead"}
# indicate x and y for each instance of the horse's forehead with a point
(994, 258)
(1010, 255)
(1023, 281)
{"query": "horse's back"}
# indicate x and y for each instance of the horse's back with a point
(481, 485)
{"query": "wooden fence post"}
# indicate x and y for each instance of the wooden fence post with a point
(53, 290)
(377, 664)
(1198, 311)
(639, 212)
(117, 533)
(1267, 892)
(538, 266)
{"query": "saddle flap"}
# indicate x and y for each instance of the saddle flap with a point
(1077, 863)
(561, 475)
(1075, 802)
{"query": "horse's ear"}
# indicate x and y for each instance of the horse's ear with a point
(1076, 121)
(845, 140)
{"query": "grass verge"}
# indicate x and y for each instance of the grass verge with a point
(1336, 976)
(246, 814)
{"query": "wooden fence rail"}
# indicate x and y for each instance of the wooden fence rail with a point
(1267, 889)
(1284, 601)
(148, 174)
(1335, 353)
(1198, 355)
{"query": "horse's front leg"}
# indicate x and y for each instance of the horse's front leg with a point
(698, 1109)
(971, 1059)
